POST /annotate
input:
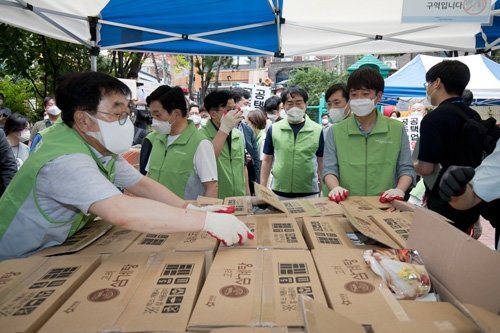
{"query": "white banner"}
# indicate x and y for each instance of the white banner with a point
(259, 94)
(412, 126)
(425, 11)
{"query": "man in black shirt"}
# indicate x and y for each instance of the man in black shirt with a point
(440, 131)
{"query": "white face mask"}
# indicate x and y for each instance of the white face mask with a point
(53, 110)
(362, 107)
(295, 114)
(114, 137)
(272, 117)
(204, 121)
(336, 114)
(195, 119)
(25, 135)
(324, 121)
(162, 127)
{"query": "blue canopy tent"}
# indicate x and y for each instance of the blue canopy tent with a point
(409, 80)
(238, 27)
(488, 38)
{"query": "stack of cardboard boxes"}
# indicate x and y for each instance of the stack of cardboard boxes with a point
(304, 271)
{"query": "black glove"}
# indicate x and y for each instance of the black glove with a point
(454, 181)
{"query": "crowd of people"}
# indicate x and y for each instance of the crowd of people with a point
(74, 169)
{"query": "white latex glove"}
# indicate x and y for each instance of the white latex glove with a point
(227, 228)
(392, 194)
(230, 120)
(214, 208)
(338, 194)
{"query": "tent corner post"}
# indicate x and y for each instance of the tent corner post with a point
(94, 52)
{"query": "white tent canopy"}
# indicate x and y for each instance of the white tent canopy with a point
(316, 27)
(408, 81)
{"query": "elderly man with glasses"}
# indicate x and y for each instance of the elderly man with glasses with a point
(74, 173)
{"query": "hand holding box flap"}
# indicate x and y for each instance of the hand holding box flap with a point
(402, 271)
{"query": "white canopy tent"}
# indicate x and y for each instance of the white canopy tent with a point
(316, 27)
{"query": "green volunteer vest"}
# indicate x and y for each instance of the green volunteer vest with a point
(261, 137)
(57, 140)
(173, 165)
(230, 164)
(367, 166)
(293, 166)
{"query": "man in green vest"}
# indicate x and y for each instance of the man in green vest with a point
(367, 154)
(293, 149)
(229, 143)
(76, 169)
(181, 158)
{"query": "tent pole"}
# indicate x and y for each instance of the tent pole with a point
(93, 63)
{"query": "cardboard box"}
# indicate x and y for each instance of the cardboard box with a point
(115, 240)
(83, 238)
(389, 228)
(32, 289)
(207, 201)
(325, 233)
(134, 292)
(183, 241)
(352, 289)
(462, 269)
(250, 330)
(428, 317)
(273, 233)
(256, 288)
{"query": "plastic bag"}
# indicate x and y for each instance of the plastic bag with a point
(402, 271)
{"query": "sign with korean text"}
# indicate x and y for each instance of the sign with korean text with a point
(412, 126)
(259, 94)
(426, 11)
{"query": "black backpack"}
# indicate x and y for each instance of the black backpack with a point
(477, 140)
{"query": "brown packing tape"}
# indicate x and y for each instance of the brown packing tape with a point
(268, 310)
(258, 299)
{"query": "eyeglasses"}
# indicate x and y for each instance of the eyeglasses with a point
(122, 117)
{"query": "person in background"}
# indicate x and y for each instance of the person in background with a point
(194, 115)
(143, 116)
(256, 119)
(367, 154)
(272, 108)
(8, 165)
(16, 129)
(242, 99)
(395, 114)
(418, 108)
(53, 112)
(74, 175)
(293, 150)
(337, 99)
(205, 116)
(181, 158)
(464, 188)
(5, 112)
(228, 142)
(325, 122)
(440, 131)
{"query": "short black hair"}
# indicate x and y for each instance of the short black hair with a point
(46, 100)
(454, 75)
(15, 123)
(467, 96)
(366, 77)
(292, 91)
(217, 99)
(272, 104)
(238, 93)
(2, 95)
(84, 91)
(170, 98)
(336, 87)
(193, 105)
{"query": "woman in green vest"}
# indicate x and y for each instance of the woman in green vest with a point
(181, 158)
(75, 171)
(367, 154)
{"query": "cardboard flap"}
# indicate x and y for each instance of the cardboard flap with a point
(318, 318)
(468, 269)
(80, 240)
(207, 201)
(487, 321)
(269, 197)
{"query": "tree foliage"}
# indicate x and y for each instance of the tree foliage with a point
(208, 67)
(18, 93)
(315, 80)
